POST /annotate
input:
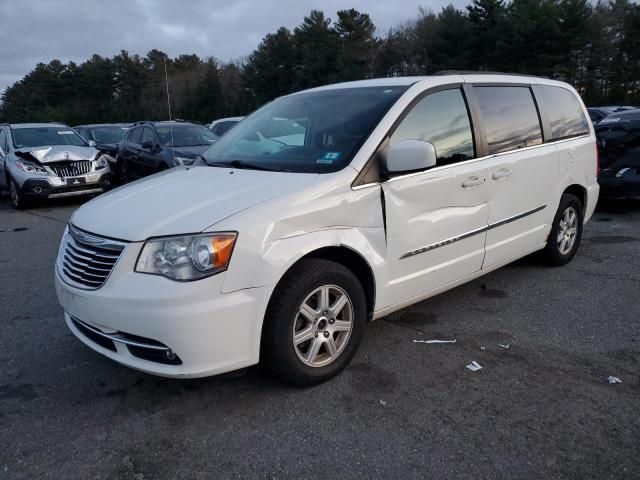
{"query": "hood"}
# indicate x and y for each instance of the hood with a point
(58, 153)
(189, 152)
(182, 200)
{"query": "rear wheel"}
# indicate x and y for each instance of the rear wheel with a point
(566, 231)
(314, 323)
(125, 174)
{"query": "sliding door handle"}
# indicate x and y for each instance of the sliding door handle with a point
(502, 173)
(473, 182)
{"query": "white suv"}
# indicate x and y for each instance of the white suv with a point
(323, 210)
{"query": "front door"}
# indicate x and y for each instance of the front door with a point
(436, 219)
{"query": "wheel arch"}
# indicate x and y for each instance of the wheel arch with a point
(350, 259)
(355, 262)
(580, 192)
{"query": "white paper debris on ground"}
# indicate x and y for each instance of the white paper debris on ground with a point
(613, 379)
(434, 341)
(473, 366)
(505, 346)
(482, 348)
(383, 403)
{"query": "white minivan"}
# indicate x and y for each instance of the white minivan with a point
(321, 211)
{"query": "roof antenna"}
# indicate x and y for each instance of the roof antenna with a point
(166, 79)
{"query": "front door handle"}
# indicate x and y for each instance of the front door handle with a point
(502, 173)
(473, 182)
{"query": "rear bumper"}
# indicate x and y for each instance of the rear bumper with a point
(593, 193)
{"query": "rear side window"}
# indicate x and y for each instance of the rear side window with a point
(136, 135)
(442, 119)
(564, 112)
(510, 118)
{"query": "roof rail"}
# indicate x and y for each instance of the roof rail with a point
(482, 72)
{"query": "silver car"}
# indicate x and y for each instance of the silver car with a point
(49, 160)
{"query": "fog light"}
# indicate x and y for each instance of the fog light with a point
(170, 354)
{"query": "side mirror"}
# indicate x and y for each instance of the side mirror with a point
(410, 156)
(92, 143)
(148, 145)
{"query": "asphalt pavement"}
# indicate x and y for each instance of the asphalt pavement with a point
(540, 409)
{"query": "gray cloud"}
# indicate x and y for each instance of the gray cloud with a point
(71, 30)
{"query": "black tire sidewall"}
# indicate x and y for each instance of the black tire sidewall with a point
(21, 202)
(283, 309)
(553, 253)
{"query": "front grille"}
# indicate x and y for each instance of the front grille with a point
(71, 169)
(86, 260)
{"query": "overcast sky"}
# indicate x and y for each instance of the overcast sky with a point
(33, 31)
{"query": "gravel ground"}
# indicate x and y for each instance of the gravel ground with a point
(540, 409)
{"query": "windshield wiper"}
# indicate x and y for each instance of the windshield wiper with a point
(242, 164)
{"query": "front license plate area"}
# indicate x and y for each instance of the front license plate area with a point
(76, 181)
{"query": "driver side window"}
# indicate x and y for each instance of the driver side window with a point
(442, 119)
(147, 136)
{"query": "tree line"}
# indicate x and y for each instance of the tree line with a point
(595, 47)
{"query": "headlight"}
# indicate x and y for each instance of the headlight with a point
(30, 167)
(187, 257)
(104, 160)
(184, 160)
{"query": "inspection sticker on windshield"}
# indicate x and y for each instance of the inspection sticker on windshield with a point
(329, 157)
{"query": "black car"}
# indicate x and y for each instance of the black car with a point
(598, 113)
(151, 147)
(105, 136)
(619, 148)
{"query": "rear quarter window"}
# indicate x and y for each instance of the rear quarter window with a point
(509, 116)
(562, 108)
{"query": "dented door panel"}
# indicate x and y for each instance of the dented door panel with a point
(436, 223)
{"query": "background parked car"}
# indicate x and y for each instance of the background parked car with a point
(150, 147)
(106, 136)
(619, 146)
(46, 160)
(222, 125)
(621, 108)
(598, 113)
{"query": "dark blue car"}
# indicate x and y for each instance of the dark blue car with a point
(150, 147)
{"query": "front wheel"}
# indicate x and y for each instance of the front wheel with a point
(17, 197)
(314, 323)
(566, 231)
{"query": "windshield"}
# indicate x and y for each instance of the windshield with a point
(45, 137)
(315, 132)
(185, 135)
(107, 134)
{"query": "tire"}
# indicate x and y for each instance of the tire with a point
(566, 231)
(18, 200)
(125, 176)
(118, 171)
(324, 346)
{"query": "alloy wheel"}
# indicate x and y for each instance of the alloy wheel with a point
(323, 325)
(567, 230)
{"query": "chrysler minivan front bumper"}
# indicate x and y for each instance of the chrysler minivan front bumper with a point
(163, 327)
